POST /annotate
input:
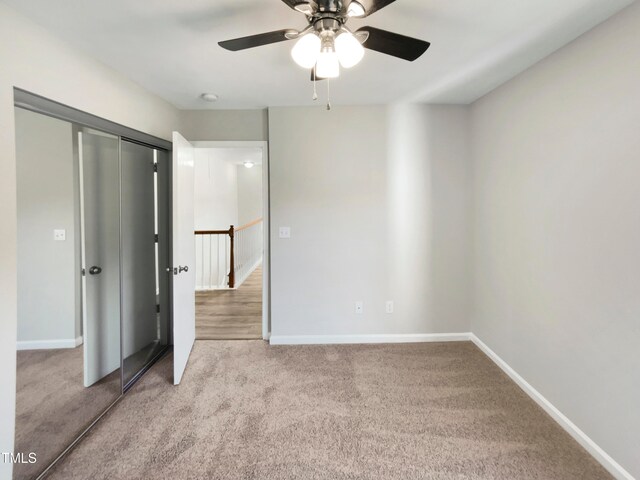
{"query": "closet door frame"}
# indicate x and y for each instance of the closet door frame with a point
(39, 104)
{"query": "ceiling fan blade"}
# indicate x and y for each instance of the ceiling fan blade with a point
(255, 40)
(394, 44)
(372, 6)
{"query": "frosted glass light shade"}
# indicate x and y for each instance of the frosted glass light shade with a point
(355, 9)
(306, 50)
(328, 65)
(349, 50)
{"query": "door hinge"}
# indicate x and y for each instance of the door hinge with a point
(158, 308)
(156, 238)
(155, 167)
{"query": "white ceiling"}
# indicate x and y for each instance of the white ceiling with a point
(170, 46)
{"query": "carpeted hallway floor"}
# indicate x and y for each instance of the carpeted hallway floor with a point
(249, 411)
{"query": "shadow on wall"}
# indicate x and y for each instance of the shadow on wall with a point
(428, 194)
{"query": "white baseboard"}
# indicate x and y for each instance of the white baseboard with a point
(49, 344)
(589, 445)
(356, 339)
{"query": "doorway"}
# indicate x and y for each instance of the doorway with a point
(231, 238)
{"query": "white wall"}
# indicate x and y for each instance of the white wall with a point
(215, 190)
(249, 193)
(225, 125)
(48, 301)
(378, 213)
(36, 61)
(557, 231)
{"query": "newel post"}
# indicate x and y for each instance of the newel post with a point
(232, 267)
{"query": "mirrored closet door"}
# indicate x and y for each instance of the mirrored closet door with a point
(144, 215)
(94, 248)
(100, 246)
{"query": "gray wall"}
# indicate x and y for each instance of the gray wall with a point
(48, 302)
(377, 204)
(557, 231)
(224, 125)
(249, 193)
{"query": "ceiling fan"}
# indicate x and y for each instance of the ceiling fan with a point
(327, 43)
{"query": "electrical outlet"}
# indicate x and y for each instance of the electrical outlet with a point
(389, 306)
(359, 307)
(59, 235)
(284, 232)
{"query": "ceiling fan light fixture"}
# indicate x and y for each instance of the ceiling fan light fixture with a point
(326, 44)
(328, 65)
(355, 9)
(349, 49)
(306, 50)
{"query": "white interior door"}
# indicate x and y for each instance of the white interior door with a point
(184, 255)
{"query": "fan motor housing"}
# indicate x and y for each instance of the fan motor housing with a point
(333, 6)
(328, 23)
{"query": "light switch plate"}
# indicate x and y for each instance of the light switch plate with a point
(284, 232)
(59, 235)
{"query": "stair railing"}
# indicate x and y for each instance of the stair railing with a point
(225, 256)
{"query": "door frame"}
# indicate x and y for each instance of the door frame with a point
(266, 260)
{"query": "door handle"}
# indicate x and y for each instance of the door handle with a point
(95, 270)
(179, 269)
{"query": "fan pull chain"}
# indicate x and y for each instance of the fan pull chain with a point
(315, 93)
(328, 94)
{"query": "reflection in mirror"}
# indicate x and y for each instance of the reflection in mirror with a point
(100, 233)
(68, 365)
(144, 217)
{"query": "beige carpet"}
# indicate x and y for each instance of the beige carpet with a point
(52, 405)
(249, 411)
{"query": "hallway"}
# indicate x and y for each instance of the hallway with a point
(231, 314)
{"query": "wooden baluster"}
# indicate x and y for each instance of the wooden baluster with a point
(232, 273)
